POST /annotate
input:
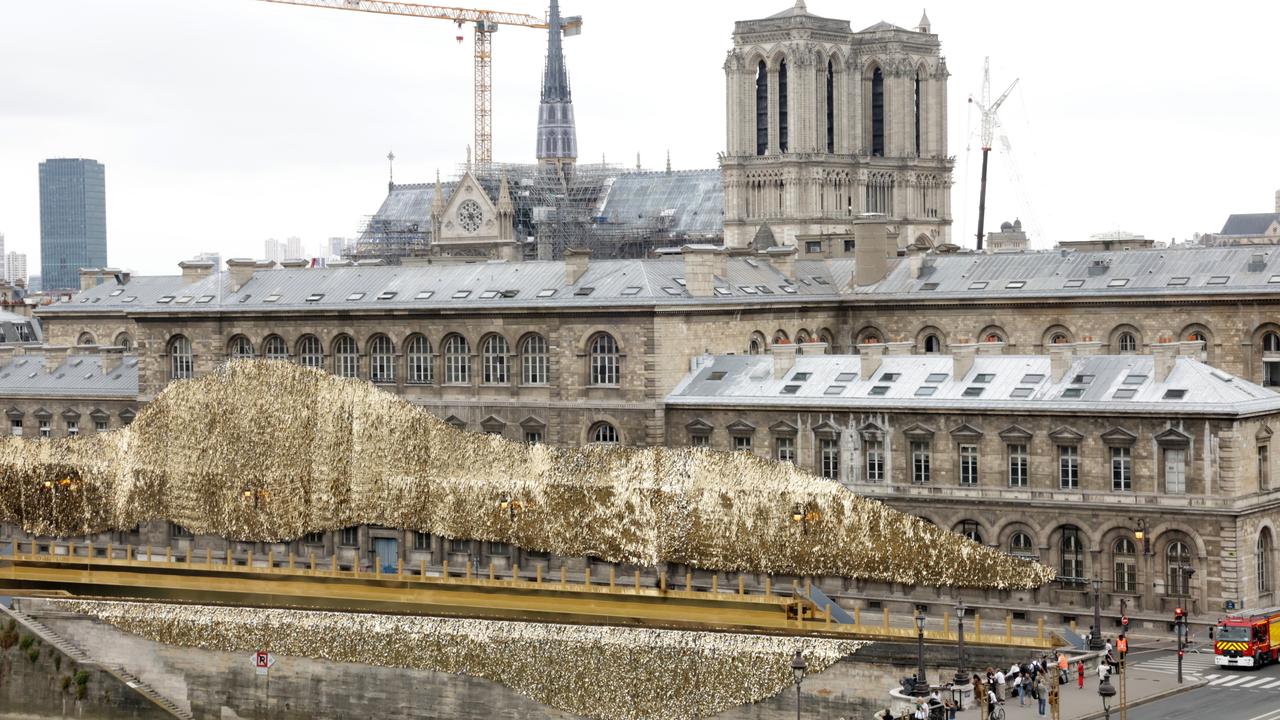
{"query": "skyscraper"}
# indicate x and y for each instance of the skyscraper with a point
(15, 267)
(73, 220)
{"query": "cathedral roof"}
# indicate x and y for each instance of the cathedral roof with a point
(882, 25)
(1249, 223)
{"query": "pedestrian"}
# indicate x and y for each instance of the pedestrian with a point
(1080, 673)
(992, 701)
(1020, 687)
(1107, 645)
(1042, 693)
(1000, 684)
(922, 710)
(979, 693)
(1104, 671)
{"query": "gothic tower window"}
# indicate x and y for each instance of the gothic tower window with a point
(831, 107)
(782, 106)
(762, 109)
(918, 108)
(877, 113)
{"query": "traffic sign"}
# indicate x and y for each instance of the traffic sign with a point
(1125, 621)
(262, 661)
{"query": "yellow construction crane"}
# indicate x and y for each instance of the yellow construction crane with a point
(485, 23)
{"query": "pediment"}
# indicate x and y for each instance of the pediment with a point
(699, 427)
(826, 430)
(457, 422)
(871, 431)
(1119, 436)
(1016, 433)
(493, 424)
(70, 414)
(14, 413)
(740, 427)
(42, 414)
(1172, 437)
(783, 428)
(99, 414)
(533, 423)
(127, 415)
(919, 432)
(966, 432)
(1066, 436)
(478, 220)
(1264, 433)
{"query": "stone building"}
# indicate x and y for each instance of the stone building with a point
(826, 124)
(1010, 238)
(1064, 458)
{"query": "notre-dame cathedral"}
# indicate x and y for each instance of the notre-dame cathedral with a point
(826, 124)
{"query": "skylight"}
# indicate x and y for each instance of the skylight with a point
(1032, 378)
(723, 291)
(1179, 280)
(789, 289)
(1271, 280)
(765, 289)
(313, 297)
(846, 377)
(925, 390)
(1219, 280)
(633, 290)
(355, 296)
(165, 299)
(271, 298)
(117, 291)
(488, 294)
(879, 390)
(936, 378)
(748, 289)
(717, 376)
(1073, 392)
(984, 377)
(973, 391)
(980, 285)
(790, 389)
(184, 299)
(424, 294)
(245, 298)
(1082, 379)
(1073, 283)
(204, 299)
(1015, 284)
(890, 377)
(1118, 282)
(672, 291)
(679, 281)
(1124, 393)
(1174, 394)
(583, 291)
(548, 292)
(820, 280)
(801, 376)
(387, 295)
(929, 286)
(460, 294)
(1135, 379)
(1021, 392)
(833, 390)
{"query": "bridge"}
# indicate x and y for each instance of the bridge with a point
(48, 568)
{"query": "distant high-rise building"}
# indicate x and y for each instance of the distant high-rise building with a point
(335, 247)
(292, 248)
(273, 250)
(213, 257)
(73, 220)
(15, 267)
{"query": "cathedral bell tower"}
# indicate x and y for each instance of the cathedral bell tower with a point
(557, 136)
(826, 124)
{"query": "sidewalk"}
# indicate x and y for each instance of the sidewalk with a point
(1079, 704)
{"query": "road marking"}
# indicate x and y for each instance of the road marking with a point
(1210, 677)
(1234, 681)
(1256, 683)
(1270, 715)
(1220, 680)
(1274, 683)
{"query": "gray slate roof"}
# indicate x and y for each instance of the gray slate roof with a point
(748, 380)
(76, 376)
(688, 201)
(1248, 223)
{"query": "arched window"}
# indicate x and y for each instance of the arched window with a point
(382, 359)
(86, 339)
(180, 360)
(1271, 342)
(781, 337)
(1178, 560)
(1127, 343)
(493, 358)
(932, 344)
(803, 336)
(310, 352)
(756, 345)
(1265, 553)
(346, 359)
(877, 113)
(1125, 565)
(240, 348)
(124, 341)
(534, 361)
(971, 530)
(274, 348)
(919, 105)
(418, 355)
(1059, 339)
(782, 105)
(831, 106)
(1020, 544)
(1071, 545)
(762, 109)
(457, 360)
(604, 360)
(602, 433)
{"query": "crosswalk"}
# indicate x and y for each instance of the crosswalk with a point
(1243, 680)
(1198, 667)
(1194, 664)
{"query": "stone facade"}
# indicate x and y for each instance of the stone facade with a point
(825, 124)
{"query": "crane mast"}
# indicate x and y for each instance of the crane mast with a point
(989, 123)
(484, 22)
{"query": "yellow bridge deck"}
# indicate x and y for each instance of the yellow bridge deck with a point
(459, 593)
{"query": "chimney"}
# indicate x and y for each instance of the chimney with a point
(53, 357)
(294, 264)
(783, 259)
(1059, 360)
(915, 260)
(1278, 201)
(962, 355)
(813, 348)
(111, 362)
(991, 348)
(784, 358)
(1088, 347)
(870, 354)
(1191, 348)
(699, 269)
(241, 270)
(193, 270)
(575, 264)
(1164, 353)
(899, 347)
(872, 248)
(89, 278)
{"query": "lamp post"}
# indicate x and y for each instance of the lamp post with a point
(962, 673)
(922, 685)
(798, 666)
(1142, 533)
(1106, 691)
(1095, 638)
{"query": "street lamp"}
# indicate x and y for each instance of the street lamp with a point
(1106, 691)
(1095, 638)
(1142, 533)
(962, 674)
(798, 666)
(922, 685)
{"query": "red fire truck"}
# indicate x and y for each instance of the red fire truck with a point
(1249, 639)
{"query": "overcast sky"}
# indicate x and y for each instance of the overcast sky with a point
(225, 122)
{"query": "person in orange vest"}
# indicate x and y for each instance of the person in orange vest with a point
(1080, 674)
(1122, 645)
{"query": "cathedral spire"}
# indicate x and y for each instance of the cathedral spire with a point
(557, 136)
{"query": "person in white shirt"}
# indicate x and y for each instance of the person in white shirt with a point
(1000, 690)
(1104, 671)
(992, 701)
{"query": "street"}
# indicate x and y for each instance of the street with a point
(1231, 694)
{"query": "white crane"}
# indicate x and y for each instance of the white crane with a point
(989, 123)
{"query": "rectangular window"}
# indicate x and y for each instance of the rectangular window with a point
(1126, 574)
(785, 449)
(968, 464)
(1068, 467)
(742, 443)
(100, 425)
(813, 247)
(1121, 469)
(1264, 468)
(15, 428)
(314, 538)
(533, 437)
(920, 462)
(457, 545)
(1019, 462)
(1175, 471)
(73, 428)
(421, 541)
(874, 450)
(700, 440)
(44, 429)
(349, 537)
(829, 458)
